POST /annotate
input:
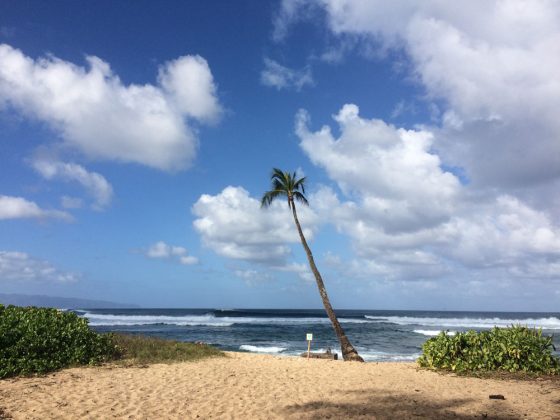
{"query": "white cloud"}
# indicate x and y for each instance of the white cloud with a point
(281, 77)
(410, 220)
(161, 250)
(19, 266)
(492, 65)
(94, 112)
(189, 82)
(20, 208)
(489, 68)
(398, 182)
(96, 185)
(233, 225)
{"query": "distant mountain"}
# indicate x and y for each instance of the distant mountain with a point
(59, 302)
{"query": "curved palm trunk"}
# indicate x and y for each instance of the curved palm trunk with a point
(348, 351)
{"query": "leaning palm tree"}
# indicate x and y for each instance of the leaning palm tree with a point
(285, 184)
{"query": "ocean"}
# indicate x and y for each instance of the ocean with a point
(378, 335)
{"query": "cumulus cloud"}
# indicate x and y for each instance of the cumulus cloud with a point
(281, 77)
(95, 184)
(189, 83)
(94, 112)
(233, 225)
(19, 266)
(478, 60)
(496, 125)
(20, 208)
(398, 181)
(409, 219)
(161, 250)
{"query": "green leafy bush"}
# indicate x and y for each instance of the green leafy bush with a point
(511, 349)
(39, 340)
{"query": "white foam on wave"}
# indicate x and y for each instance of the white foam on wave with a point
(550, 323)
(379, 356)
(208, 320)
(127, 320)
(262, 349)
(432, 333)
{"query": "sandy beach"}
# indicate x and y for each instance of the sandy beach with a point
(249, 386)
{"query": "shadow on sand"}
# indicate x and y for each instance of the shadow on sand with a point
(390, 405)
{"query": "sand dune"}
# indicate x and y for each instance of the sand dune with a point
(248, 386)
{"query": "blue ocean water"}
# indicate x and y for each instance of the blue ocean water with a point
(377, 335)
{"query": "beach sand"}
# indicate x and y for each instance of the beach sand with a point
(249, 386)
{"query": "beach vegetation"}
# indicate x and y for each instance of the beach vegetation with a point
(288, 186)
(139, 349)
(39, 340)
(513, 349)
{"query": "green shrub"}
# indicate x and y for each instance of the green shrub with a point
(40, 340)
(511, 349)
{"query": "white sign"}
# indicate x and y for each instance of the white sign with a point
(309, 337)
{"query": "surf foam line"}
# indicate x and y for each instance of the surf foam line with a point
(261, 349)
(433, 333)
(128, 320)
(372, 355)
(550, 323)
(208, 320)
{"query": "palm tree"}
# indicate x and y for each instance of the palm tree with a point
(285, 184)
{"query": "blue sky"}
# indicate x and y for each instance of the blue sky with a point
(136, 139)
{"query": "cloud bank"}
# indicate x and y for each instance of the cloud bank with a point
(489, 66)
(409, 219)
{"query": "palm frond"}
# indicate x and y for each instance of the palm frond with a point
(285, 184)
(270, 196)
(278, 185)
(277, 174)
(300, 197)
(300, 184)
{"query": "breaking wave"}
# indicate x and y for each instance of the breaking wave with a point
(550, 323)
(262, 349)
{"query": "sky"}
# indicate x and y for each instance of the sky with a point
(137, 138)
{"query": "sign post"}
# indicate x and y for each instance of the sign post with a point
(309, 339)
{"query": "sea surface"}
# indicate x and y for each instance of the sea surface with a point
(377, 335)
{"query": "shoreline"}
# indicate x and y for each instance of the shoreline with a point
(249, 385)
(398, 359)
